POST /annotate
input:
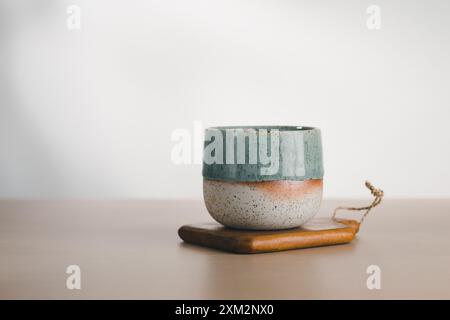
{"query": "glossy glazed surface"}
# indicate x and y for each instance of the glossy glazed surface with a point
(299, 153)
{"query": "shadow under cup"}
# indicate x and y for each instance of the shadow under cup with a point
(262, 177)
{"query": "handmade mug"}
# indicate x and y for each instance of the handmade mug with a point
(262, 177)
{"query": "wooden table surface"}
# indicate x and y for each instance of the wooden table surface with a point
(129, 249)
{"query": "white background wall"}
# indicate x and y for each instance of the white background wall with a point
(90, 113)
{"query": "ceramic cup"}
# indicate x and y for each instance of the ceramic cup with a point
(262, 177)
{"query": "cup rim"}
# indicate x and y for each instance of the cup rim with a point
(284, 128)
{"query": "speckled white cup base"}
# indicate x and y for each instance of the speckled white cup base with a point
(265, 205)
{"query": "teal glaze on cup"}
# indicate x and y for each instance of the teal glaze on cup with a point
(311, 162)
(280, 187)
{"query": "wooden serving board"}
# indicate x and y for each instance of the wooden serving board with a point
(315, 233)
